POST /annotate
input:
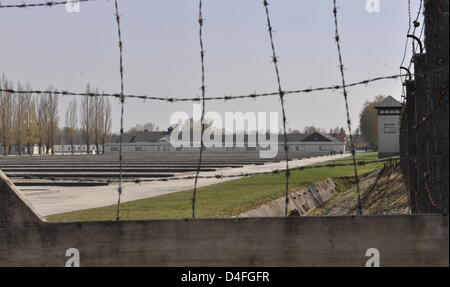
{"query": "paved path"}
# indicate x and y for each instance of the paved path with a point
(53, 200)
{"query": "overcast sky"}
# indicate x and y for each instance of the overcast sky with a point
(161, 53)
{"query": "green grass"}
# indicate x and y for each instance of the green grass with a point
(222, 199)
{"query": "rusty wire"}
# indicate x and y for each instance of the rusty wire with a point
(281, 94)
(122, 102)
(344, 90)
(42, 4)
(63, 92)
(203, 89)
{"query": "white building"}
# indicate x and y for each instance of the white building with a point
(58, 149)
(388, 127)
(159, 142)
(77, 149)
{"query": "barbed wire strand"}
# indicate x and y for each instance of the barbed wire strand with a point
(281, 93)
(416, 23)
(406, 49)
(122, 103)
(63, 92)
(344, 90)
(203, 90)
(43, 4)
(407, 33)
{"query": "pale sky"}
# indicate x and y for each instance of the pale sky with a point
(162, 54)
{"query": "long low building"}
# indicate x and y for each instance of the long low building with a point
(159, 142)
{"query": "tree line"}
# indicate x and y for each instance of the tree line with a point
(28, 120)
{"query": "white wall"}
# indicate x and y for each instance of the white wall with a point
(388, 133)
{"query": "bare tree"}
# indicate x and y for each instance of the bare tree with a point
(43, 123)
(311, 129)
(53, 119)
(19, 111)
(30, 119)
(107, 121)
(98, 106)
(146, 127)
(87, 111)
(72, 122)
(6, 109)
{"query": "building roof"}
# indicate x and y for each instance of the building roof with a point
(141, 137)
(319, 137)
(389, 102)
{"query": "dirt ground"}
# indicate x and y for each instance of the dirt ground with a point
(382, 192)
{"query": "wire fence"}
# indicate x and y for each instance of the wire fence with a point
(281, 93)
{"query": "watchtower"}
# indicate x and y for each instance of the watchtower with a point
(388, 127)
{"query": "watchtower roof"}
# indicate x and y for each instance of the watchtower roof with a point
(388, 102)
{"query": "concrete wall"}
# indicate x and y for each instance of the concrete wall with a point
(300, 202)
(419, 240)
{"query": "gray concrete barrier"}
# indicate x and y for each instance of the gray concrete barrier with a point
(411, 240)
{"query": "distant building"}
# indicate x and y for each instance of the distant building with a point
(388, 127)
(63, 145)
(159, 142)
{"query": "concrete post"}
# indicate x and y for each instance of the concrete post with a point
(436, 43)
(411, 142)
(421, 161)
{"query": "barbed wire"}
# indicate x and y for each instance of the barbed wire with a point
(407, 33)
(416, 24)
(281, 94)
(215, 176)
(61, 92)
(406, 49)
(203, 89)
(43, 4)
(122, 101)
(344, 90)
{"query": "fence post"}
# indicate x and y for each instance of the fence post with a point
(404, 142)
(436, 43)
(421, 163)
(411, 143)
